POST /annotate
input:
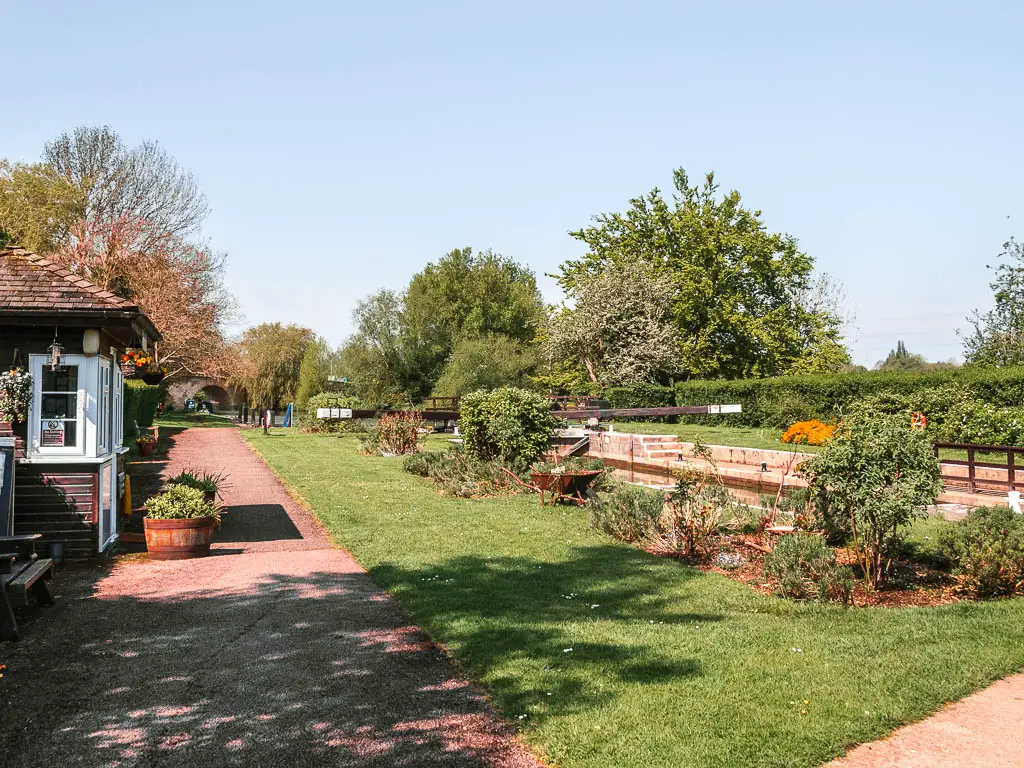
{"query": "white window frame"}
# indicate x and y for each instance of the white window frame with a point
(85, 404)
(116, 404)
(104, 431)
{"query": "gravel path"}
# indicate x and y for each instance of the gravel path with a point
(277, 651)
(983, 730)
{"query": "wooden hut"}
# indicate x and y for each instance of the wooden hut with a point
(69, 335)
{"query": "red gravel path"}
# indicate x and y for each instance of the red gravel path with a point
(277, 651)
(985, 730)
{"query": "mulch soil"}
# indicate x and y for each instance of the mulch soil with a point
(911, 583)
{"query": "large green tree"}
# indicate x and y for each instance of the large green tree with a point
(487, 362)
(404, 341)
(996, 337)
(741, 306)
(38, 206)
(465, 295)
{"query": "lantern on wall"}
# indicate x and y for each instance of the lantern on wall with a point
(91, 341)
(56, 354)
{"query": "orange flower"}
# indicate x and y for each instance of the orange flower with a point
(811, 432)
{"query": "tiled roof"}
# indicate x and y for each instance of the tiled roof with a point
(32, 283)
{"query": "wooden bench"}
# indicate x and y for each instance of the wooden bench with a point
(23, 574)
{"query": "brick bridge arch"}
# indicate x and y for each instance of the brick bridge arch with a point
(223, 396)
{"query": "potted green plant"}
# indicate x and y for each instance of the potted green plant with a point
(146, 444)
(154, 374)
(179, 524)
(210, 483)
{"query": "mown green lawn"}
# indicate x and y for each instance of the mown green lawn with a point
(606, 656)
(743, 437)
(186, 419)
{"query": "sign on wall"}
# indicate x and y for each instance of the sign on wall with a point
(52, 435)
(334, 413)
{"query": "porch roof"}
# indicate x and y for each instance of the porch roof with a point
(34, 287)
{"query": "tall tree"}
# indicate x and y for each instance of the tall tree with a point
(997, 336)
(620, 327)
(465, 295)
(313, 371)
(120, 183)
(900, 359)
(739, 303)
(487, 362)
(374, 357)
(273, 354)
(126, 218)
(38, 206)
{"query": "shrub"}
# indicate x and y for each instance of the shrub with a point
(987, 551)
(208, 482)
(693, 516)
(811, 432)
(627, 512)
(973, 421)
(509, 424)
(140, 404)
(804, 567)
(179, 502)
(309, 421)
(873, 477)
(395, 434)
(458, 473)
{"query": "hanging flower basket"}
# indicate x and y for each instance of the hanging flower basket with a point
(153, 376)
(15, 395)
(127, 368)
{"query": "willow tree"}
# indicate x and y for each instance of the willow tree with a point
(272, 355)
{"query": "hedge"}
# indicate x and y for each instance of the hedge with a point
(140, 402)
(778, 402)
(642, 396)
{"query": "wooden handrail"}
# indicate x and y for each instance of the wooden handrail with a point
(972, 464)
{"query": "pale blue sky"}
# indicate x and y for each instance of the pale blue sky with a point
(344, 145)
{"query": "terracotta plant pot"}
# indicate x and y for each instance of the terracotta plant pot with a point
(178, 539)
(146, 449)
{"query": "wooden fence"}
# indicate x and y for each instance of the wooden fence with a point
(990, 477)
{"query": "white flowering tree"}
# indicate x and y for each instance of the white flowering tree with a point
(620, 328)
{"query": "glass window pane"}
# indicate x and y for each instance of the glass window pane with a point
(60, 381)
(59, 406)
